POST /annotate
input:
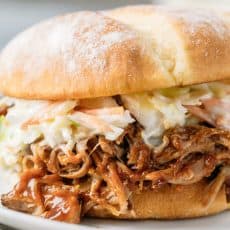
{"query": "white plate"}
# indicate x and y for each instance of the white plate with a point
(27, 222)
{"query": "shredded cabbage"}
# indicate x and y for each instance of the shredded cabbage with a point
(56, 123)
(64, 123)
(162, 109)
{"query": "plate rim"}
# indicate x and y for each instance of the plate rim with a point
(19, 220)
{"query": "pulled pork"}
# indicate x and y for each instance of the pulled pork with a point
(65, 187)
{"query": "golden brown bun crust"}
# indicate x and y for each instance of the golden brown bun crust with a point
(132, 49)
(172, 202)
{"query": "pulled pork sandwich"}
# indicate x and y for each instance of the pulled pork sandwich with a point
(123, 114)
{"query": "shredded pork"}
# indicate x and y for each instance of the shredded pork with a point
(103, 173)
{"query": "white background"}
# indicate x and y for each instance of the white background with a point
(16, 15)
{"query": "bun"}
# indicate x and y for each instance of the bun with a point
(172, 202)
(126, 50)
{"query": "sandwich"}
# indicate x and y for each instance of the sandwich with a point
(118, 114)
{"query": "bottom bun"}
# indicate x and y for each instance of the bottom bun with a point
(172, 202)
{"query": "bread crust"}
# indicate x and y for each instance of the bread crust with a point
(126, 50)
(171, 202)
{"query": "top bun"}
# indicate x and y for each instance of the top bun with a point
(126, 50)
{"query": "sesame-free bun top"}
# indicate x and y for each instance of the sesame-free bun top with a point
(126, 50)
